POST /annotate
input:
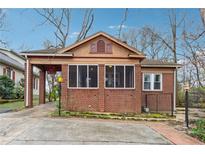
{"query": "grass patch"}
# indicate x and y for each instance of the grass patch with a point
(199, 130)
(119, 116)
(16, 106)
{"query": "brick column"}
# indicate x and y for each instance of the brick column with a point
(101, 88)
(28, 84)
(64, 85)
(42, 89)
(138, 87)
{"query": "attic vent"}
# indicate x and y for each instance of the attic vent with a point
(101, 46)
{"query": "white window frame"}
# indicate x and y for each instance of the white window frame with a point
(10, 77)
(152, 75)
(87, 77)
(115, 76)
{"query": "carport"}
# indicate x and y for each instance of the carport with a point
(47, 63)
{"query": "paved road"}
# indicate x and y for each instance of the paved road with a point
(34, 126)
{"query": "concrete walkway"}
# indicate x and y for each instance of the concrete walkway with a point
(35, 126)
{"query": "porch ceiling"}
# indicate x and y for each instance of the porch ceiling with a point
(47, 67)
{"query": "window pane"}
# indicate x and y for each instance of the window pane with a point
(72, 76)
(129, 78)
(93, 76)
(157, 85)
(147, 81)
(147, 77)
(119, 76)
(157, 78)
(109, 76)
(147, 85)
(82, 76)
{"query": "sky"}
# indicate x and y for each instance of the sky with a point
(23, 29)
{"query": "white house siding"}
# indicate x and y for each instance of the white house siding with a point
(1, 69)
(18, 74)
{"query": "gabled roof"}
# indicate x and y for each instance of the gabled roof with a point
(109, 37)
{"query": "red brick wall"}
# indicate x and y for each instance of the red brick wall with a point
(161, 101)
(64, 86)
(103, 100)
(30, 84)
(83, 100)
(120, 100)
(42, 89)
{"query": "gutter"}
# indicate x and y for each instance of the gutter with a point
(47, 55)
(162, 65)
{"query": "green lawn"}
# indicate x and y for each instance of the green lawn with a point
(19, 105)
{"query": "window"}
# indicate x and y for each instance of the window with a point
(9, 72)
(93, 74)
(147, 81)
(129, 76)
(73, 76)
(119, 76)
(101, 46)
(152, 81)
(157, 81)
(109, 76)
(83, 76)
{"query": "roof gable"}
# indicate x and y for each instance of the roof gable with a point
(107, 36)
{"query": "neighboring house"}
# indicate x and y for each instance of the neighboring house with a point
(101, 73)
(12, 65)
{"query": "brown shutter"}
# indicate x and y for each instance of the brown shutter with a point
(4, 71)
(101, 46)
(93, 48)
(108, 48)
(14, 76)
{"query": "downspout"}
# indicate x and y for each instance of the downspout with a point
(174, 96)
(27, 65)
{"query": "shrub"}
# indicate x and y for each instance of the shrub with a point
(6, 87)
(199, 131)
(19, 92)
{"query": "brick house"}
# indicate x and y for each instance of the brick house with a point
(104, 74)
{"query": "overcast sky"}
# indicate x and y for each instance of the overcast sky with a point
(23, 29)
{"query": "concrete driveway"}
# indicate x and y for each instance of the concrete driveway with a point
(34, 126)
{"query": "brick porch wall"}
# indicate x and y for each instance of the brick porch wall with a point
(102, 100)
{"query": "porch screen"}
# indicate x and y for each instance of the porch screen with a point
(119, 76)
(83, 76)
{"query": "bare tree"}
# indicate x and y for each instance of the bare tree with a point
(2, 23)
(86, 24)
(146, 40)
(202, 13)
(60, 20)
(194, 54)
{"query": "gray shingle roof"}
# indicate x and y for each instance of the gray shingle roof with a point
(43, 51)
(158, 63)
(5, 59)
